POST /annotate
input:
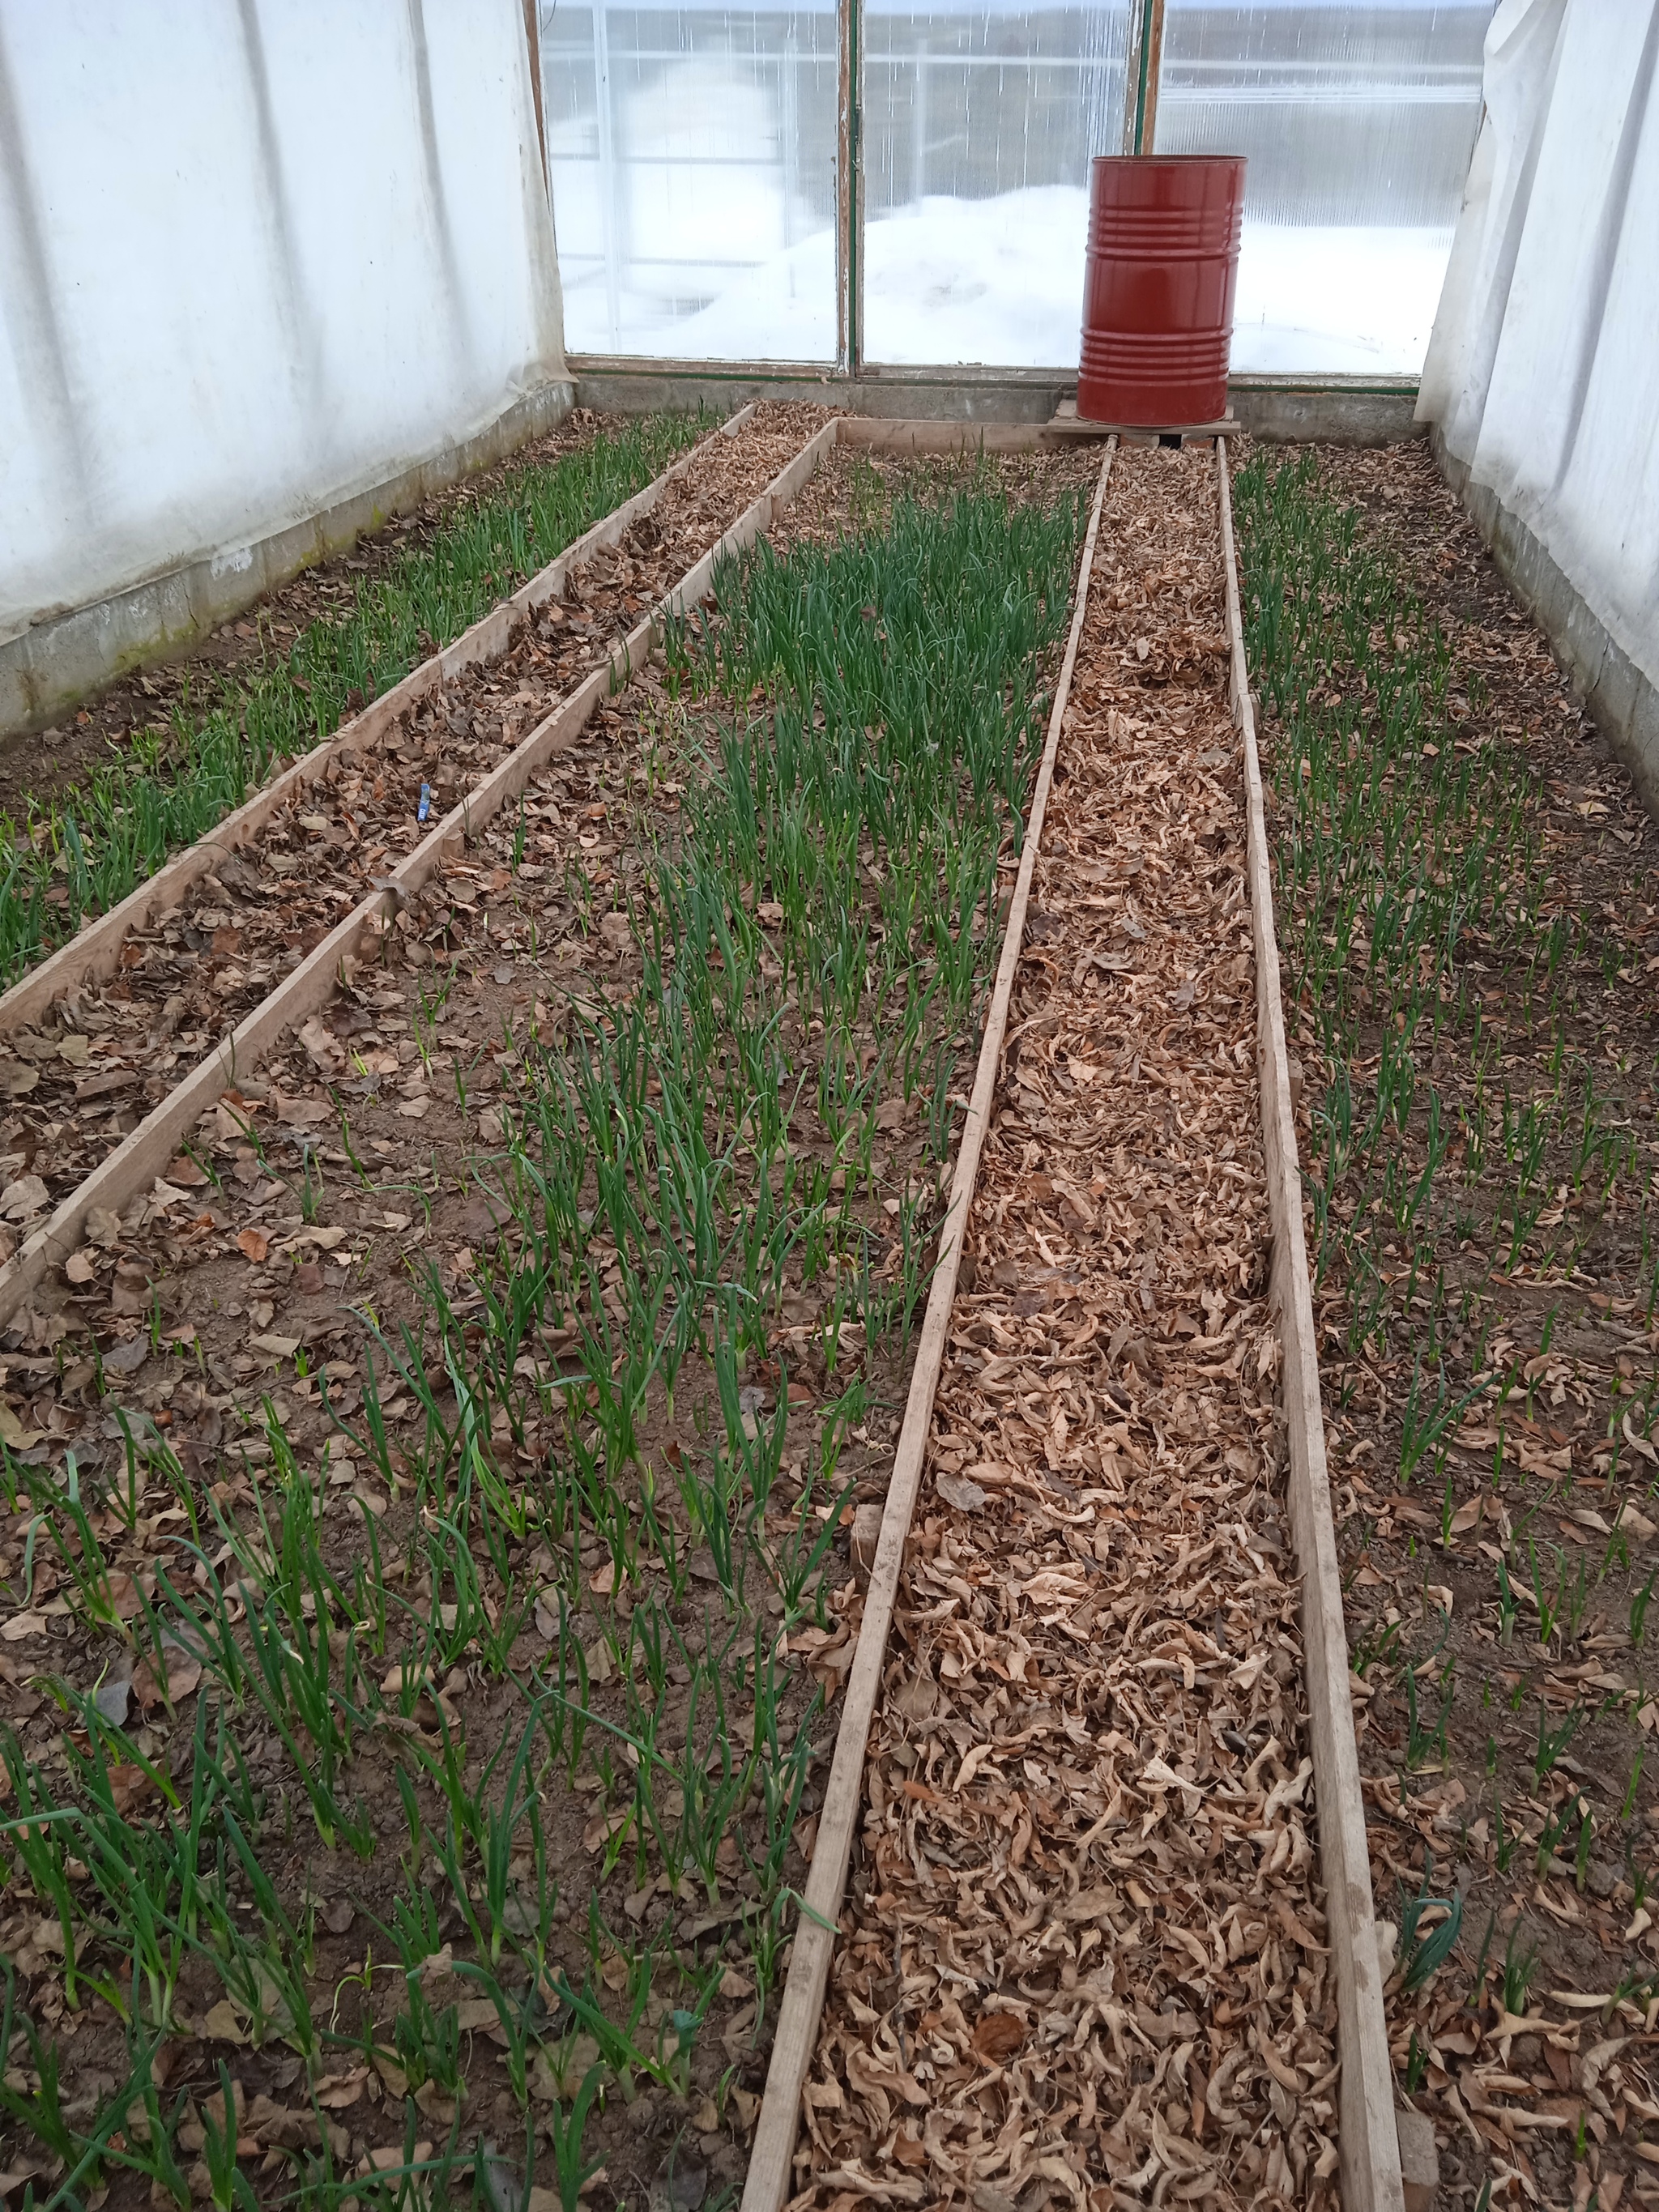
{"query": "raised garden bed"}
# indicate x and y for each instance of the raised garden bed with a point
(82, 1071)
(467, 1433)
(89, 810)
(1467, 902)
(1085, 1955)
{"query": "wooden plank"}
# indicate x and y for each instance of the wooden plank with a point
(1071, 429)
(770, 2162)
(1367, 2139)
(145, 1151)
(1066, 423)
(907, 435)
(1154, 77)
(96, 950)
(561, 727)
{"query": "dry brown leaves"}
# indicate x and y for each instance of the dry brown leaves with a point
(1083, 1958)
(104, 1055)
(145, 699)
(1534, 2047)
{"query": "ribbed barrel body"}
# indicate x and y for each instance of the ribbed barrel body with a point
(1158, 296)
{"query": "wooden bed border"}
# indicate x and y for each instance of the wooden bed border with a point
(97, 948)
(144, 1154)
(771, 2160)
(1367, 2137)
(1368, 2141)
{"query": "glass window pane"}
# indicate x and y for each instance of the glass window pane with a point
(978, 126)
(1358, 123)
(692, 156)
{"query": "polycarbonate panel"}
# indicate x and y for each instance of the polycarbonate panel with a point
(1358, 123)
(979, 122)
(692, 153)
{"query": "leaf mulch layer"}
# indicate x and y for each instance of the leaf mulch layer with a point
(1084, 1958)
(102, 1056)
(1488, 1355)
(48, 765)
(314, 1197)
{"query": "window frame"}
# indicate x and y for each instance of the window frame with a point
(1142, 82)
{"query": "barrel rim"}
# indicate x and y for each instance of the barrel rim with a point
(1166, 160)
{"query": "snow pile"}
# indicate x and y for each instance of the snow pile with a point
(998, 282)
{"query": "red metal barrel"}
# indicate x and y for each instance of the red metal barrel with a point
(1158, 293)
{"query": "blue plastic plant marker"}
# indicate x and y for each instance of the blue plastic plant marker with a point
(425, 807)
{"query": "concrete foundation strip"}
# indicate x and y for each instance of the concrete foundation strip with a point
(1367, 2139)
(906, 434)
(771, 2160)
(96, 950)
(142, 1155)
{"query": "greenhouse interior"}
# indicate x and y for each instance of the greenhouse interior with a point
(830, 1227)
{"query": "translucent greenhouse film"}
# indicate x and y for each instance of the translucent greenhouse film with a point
(1359, 123)
(693, 153)
(232, 290)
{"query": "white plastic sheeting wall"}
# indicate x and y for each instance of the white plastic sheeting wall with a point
(255, 256)
(1543, 371)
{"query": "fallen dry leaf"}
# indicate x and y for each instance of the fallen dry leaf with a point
(1087, 1829)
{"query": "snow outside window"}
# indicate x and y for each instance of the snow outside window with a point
(1359, 123)
(692, 153)
(978, 126)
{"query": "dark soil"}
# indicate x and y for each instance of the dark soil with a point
(1523, 1788)
(317, 1196)
(46, 765)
